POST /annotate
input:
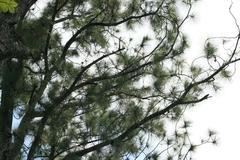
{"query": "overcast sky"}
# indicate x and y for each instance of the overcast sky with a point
(221, 112)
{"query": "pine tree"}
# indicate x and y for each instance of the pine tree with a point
(81, 88)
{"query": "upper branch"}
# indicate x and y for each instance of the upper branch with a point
(102, 24)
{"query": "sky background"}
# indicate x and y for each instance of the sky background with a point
(221, 112)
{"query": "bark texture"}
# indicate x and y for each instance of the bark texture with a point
(11, 57)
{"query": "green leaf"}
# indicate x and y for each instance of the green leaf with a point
(8, 6)
(225, 74)
(210, 50)
(196, 71)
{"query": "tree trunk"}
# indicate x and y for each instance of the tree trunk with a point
(10, 74)
(12, 53)
(6, 113)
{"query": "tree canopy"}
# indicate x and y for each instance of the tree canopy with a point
(8, 6)
(78, 82)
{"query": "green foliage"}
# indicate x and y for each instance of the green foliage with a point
(161, 77)
(98, 94)
(36, 29)
(210, 50)
(226, 74)
(196, 71)
(8, 6)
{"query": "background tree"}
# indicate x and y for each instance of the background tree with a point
(80, 89)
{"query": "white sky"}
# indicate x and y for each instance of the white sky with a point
(221, 112)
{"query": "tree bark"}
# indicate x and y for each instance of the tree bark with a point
(11, 73)
(6, 113)
(11, 70)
